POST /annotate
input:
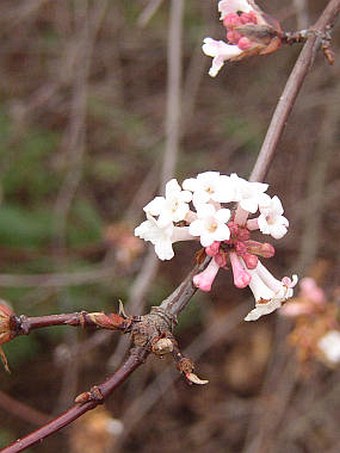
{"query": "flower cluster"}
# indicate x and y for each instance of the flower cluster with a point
(248, 31)
(204, 209)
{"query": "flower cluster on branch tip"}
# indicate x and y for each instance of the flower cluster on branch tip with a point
(249, 31)
(204, 209)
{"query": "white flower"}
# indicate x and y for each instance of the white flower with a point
(210, 225)
(162, 236)
(171, 208)
(329, 345)
(210, 186)
(221, 52)
(271, 221)
(233, 6)
(248, 194)
(269, 292)
(159, 236)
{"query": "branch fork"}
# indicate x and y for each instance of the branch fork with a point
(301, 36)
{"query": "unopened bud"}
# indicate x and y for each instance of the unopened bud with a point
(265, 249)
(213, 249)
(109, 320)
(250, 260)
(192, 377)
(240, 275)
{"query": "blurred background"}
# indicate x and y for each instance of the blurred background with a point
(100, 102)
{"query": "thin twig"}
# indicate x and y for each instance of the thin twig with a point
(291, 91)
(24, 325)
(136, 358)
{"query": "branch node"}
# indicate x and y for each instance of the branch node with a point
(20, 326)
(94, 394)
(301, 36)
(186, 366)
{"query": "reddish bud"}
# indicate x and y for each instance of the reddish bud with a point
(221, 259)
(213, 249)
(260, 249)
(109, 321)
(250, 260)
(241, 276)
(205, 279)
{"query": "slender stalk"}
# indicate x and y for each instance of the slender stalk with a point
(136, 358)
(291, 91)
(289, 96)
(24, 325)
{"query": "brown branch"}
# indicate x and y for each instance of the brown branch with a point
(24, 325)
(291, 91)
(95, 397)
(180, 298)
(144, 333)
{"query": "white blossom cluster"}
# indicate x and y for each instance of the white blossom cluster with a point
(205, 209)
(197, 211)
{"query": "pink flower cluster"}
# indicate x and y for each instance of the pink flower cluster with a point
(239, 252)
(248, 32)
(233, 20)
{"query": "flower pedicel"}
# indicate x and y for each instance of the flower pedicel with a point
(203, 209)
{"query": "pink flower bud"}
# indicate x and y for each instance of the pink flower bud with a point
(240, 248)
(253, 224)
(213, 249)
(243, 234)
(241, 276)
(248, 18)
(232, 20)
(250, 260)
(234, 37)
(244, 43)
(205, 279)
(260, 249)
(221, 259)
(233, 227)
